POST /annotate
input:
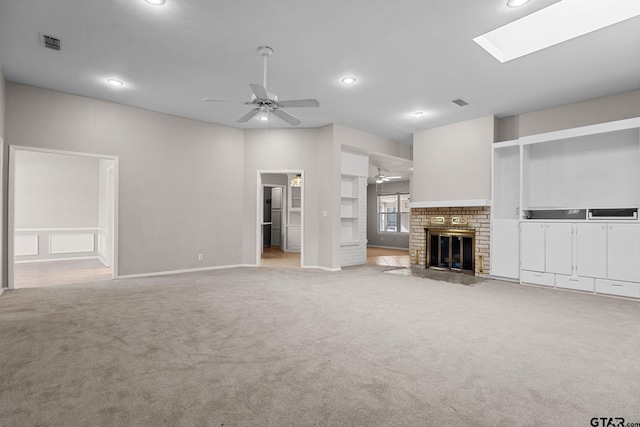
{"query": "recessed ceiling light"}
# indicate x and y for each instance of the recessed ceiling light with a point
(517, 3)
(555, 24)
(115, 82)
(349, 80)
(156, 2)
(418, 113)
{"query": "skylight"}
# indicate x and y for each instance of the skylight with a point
(555, 24)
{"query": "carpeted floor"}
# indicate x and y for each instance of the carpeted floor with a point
(295, 347)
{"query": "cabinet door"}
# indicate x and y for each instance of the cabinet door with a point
(623, 252)
(558, 248)
(532, 246)
(591, 250)
(505, 248)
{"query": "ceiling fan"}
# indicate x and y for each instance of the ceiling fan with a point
(380, 178)
(268, 103)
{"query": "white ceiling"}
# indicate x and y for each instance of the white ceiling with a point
(407, 54)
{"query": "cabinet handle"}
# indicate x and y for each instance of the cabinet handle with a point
(537, 275)
(617, 285)
(573, 280)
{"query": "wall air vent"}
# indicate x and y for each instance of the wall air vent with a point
(50, 42)
(460, 102)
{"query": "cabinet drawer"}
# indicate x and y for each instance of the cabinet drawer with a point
(537, 278)
(614, 287)
(577, 283)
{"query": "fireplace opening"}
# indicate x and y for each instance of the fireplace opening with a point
(451, 249)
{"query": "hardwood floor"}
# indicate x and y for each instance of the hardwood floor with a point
(390, 257)
(274, 257)
(39, 274)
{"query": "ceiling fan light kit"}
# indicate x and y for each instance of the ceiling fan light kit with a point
(267, 103)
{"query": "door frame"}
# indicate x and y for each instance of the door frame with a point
(11, 203)
(260, 208)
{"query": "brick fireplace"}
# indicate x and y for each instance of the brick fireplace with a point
(463, 222)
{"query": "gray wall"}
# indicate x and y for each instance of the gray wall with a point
(375, 238)
(179, 179)
(288, 150)
(610, 108)
(2, 104)
(4, 164)
(55, 191)
(453, 162)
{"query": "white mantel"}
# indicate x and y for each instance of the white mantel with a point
(451, 203)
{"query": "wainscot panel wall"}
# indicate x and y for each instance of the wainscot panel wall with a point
(180, 180)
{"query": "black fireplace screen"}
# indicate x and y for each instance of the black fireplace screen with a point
(451, 250)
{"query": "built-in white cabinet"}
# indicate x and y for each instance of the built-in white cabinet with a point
(505, 248)
(575, 197)
(591, 249)
(505, 218)
(623, 252)
(532, 250)
(558, 253)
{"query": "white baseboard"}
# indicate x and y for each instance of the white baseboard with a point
(54, 259)
(388, 247)
(322, 268)
(188, 270)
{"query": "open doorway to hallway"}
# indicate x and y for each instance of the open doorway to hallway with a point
(280, 218)
(62, 217)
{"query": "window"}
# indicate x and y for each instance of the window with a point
(393, 212)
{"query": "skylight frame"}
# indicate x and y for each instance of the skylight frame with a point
(555, 24)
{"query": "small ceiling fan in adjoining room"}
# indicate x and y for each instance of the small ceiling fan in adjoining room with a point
(380, 178)
(266, 102)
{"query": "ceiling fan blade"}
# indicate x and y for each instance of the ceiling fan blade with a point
(286, 117)
(248, 116)
(394, 177)
(222, 100)
(298, 103)
(259, 91)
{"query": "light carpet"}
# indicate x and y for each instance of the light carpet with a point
(292, 347)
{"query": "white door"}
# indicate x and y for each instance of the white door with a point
(623, 252)
(591, 250)
(505, 248)
(532, 246)
(558, 248)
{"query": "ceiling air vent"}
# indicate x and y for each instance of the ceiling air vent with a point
(460, 102)
(50, 42)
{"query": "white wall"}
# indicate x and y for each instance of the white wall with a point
(453, 162)
(55, 191)
(180, 180)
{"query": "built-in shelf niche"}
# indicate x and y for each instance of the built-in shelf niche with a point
(590, 171)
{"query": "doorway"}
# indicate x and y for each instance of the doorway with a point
(280, 219)
(62, 217)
